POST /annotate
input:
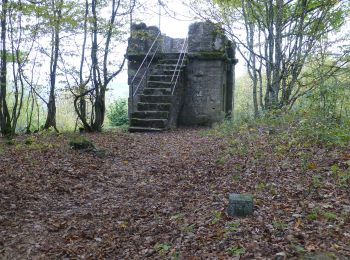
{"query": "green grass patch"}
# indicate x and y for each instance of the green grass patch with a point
(236, 250)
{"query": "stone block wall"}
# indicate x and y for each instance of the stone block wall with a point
(205, 37)
(203, 102)
(171, 45)
(209, 91)
(205, 95)
(142, 37)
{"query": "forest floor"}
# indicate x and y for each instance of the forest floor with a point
(165, 195)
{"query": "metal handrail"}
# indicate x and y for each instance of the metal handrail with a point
(182, 61)
(146, 70)
(178, 60)
(138, 70)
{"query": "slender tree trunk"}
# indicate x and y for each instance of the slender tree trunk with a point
(276, 78)
(81, 108)
(51, 105)
(16, 71)
(269, 96)
(98, 109)
(5, 120)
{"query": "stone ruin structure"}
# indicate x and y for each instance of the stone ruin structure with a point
(179, 81)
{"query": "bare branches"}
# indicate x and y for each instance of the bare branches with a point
(279, 38)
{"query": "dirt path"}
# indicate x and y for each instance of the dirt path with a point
(164, 196)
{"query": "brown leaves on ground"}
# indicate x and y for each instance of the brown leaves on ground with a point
(165, 195)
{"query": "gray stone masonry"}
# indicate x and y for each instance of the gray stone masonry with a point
(205, 37)
(204, 91)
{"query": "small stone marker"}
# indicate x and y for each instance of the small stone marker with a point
(240, 205)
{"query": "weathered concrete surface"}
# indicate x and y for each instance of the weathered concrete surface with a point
(204, 93)
(208, 96)
(171, 45)
(240, 205)
(205, 37)
(204, 98)
(141, 39)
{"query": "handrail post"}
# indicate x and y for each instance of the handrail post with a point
(146, 71)
(183, 52)
(145, 58)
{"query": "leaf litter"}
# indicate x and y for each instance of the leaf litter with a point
(165, 196)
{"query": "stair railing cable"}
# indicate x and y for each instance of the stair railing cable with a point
(143, 62)
(179, 61)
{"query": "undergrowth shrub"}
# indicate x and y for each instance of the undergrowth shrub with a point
(118, 113)
(304, 127)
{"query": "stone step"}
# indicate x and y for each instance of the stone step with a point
(169, 66)
(135, 129)
(144, 106)
(170, 72)
(152, 123)
(165, 74)
(155, 98)
(160, 77)
(151, 114)
(157, 91)
(171, 56)
(158, 84)
(167, 61)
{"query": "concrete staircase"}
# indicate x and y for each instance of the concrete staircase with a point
(154, 108)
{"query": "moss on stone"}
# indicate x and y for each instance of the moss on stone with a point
(209, 55)
(81, 143)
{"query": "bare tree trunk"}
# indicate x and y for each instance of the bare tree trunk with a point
(51, 105)
(82, 84)
(17, 64)
(5, 120)
(276, 78)
(269, 96)
(252, 70)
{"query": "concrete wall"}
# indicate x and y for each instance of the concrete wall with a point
(205, 95)
(171, 45)
(205, 37)
(208, 97)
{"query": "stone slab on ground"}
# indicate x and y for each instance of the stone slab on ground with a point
(240, 205)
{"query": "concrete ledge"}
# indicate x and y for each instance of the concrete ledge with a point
(208, 56)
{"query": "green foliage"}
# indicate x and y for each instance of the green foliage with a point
(280, 225)
(317, 214)
(299, 248)
(231, 228)
(177, 217)
(217, 216)
(312, 216)
(261, 186)
(317, 129)
(330, 95)
(236, 250)
(162, 249)
(300, 127)
(118, 113)
(316, 182)
(329, 216)
(10, 142)
(81, 143)
(342, 176)
(30, 140)
(189, 228)
(31, 143)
